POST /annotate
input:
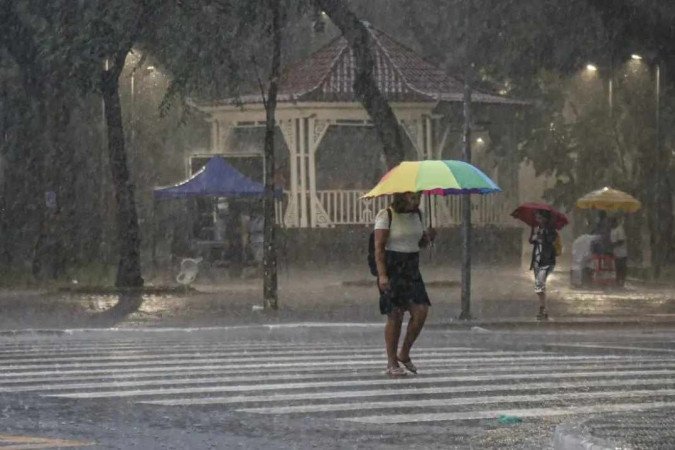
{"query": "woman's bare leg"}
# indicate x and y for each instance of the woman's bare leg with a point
(418, 315)
(392, 333)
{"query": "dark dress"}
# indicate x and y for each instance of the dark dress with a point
(406, 286)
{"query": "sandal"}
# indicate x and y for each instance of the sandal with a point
(408, 365)
(395, 372)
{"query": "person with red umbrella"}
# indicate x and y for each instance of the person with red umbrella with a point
(544, 222)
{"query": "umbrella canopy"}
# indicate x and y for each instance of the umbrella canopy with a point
(525, 212)
(447, 177)
(216, 179)
(609, 199)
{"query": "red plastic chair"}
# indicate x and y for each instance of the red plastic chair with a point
(604, 272)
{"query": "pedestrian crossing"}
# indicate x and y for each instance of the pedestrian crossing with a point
(334, 380)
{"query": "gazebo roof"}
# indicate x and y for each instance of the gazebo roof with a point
(401, 74)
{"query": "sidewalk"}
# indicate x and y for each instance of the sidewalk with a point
(500, 297)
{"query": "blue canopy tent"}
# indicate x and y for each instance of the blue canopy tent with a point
(216, 179)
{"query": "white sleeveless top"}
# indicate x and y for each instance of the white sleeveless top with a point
(405, 232)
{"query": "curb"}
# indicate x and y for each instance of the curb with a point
(551, 324)
(473, 325)
(35, 332)
(572, 437)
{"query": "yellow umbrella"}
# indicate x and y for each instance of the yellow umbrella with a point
(609, 199)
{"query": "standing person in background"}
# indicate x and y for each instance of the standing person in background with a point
(620, 250)
(602, 229)
(399, 234)
(543, 261)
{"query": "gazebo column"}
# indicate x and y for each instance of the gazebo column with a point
(420, 132)
(289, 129)
(214, 135)
(428, 137)
(316, 131)
(220, 132)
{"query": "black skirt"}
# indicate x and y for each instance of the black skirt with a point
(406, 286)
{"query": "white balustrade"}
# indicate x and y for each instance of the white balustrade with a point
(346, 207)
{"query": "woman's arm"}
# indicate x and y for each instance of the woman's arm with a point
(381, 237)
(427, 237)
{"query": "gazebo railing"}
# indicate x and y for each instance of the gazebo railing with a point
(346, 207)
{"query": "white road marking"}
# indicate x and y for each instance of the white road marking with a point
(301, 367)
(320, 384)
(390, 392)
(458, 401)
(615, 347)
(245, 356)
(531, 412)
(495, 357)
(193, 377)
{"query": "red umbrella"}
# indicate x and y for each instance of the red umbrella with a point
(525, 212)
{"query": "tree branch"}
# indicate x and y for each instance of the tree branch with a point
(365, 86)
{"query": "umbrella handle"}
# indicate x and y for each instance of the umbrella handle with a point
(429, 210)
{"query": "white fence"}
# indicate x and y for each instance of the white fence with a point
(346, 207)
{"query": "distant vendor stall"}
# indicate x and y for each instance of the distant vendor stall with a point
(593, 254)
(222, 183)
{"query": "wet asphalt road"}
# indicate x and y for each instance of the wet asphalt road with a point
(295, 386)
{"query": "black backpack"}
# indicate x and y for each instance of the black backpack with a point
(372, 265)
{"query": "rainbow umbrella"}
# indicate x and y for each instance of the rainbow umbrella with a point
(446, 177)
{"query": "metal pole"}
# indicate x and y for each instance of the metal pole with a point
(658, 111)
(658, 177)
(466, 156)
(611, 94)
(131, 120)
(466, 209)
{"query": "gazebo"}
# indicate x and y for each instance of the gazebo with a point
(316, 95)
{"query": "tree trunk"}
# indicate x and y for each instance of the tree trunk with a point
(270, 297)
(128, 233)
(365, 86)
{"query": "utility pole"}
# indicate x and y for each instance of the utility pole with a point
(466, 156)
(466, 207)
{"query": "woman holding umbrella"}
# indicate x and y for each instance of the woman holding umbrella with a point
(544, 221)
(399, 235)
(543, 239)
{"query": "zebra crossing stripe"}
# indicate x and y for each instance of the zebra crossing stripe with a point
(493, 414)
(140, 377)
(244, 357)
(458, 401)
(233, 352)
(61, 370)
(193, 378)
(136, 354)
(282, 362)
(28, 346)
(615, 347)
(331, 395)
(353, 383)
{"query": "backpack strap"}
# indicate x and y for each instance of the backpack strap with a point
(389, 215)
